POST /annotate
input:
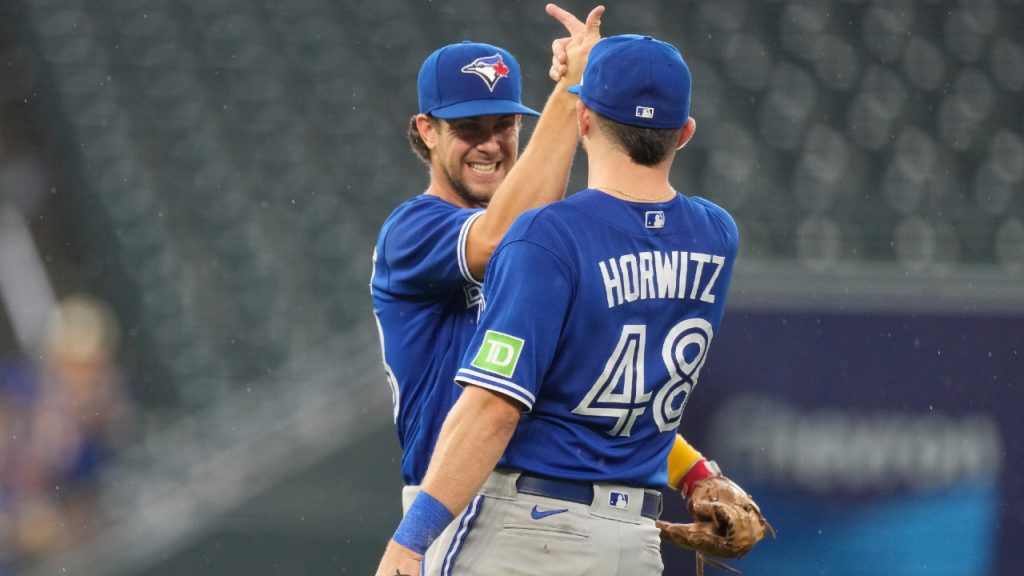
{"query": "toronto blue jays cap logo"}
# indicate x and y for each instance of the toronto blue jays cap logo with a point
(489, 68)
(449, 82)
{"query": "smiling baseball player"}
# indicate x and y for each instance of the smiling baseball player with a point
(432, 250)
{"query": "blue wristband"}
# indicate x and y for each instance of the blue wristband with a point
(423, 523)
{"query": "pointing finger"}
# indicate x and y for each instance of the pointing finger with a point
(571, 23)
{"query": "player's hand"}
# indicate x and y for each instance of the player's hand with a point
(737, 520)
(399, 561)
(582, 36)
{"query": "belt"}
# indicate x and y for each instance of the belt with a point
(579, 492)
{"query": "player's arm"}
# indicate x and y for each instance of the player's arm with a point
(541, 174)
(687, 466)
(524, 277)
(473, 437)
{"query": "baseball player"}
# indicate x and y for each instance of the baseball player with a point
(600, 313)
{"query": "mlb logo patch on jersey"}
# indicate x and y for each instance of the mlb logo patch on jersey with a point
(654, 219)
(499, 353)
(489, 68)
(618, 500)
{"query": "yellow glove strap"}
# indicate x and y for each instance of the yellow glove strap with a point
(680, 460)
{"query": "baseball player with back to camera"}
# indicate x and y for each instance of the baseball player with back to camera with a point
(601, 310)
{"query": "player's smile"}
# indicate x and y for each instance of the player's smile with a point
(479, 168)
(476, 154)
(485, 174)
(481, 178)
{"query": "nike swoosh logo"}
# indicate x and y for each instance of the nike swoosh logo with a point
(538, 514)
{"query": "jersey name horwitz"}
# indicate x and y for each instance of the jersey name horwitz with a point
(656, 274)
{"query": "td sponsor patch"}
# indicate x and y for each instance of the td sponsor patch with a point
(499, 353)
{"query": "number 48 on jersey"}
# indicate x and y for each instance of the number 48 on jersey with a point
(621, 390)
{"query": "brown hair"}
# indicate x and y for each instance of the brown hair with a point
(416, 142)
(645, 146)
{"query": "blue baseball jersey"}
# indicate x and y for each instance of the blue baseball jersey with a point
(600, 314)
(427, 304)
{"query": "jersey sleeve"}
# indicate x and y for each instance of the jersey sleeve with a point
(528, 291)
(423, 250)
(725, 225)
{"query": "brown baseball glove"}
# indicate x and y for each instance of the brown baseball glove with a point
(727, 523)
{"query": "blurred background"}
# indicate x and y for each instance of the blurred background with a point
(190, 381)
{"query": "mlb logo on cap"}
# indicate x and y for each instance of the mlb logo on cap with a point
(471, 79)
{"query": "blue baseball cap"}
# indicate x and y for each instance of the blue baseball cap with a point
(637, 80)
(471, 79)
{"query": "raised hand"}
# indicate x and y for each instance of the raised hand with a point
(582, 37)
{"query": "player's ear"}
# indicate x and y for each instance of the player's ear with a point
(687, 132)
(583, 118)
(427, 128)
